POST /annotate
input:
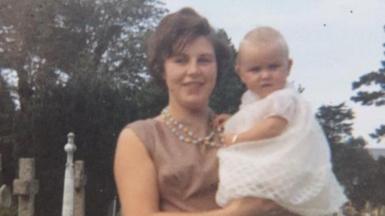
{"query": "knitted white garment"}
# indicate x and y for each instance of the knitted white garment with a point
(292, 169)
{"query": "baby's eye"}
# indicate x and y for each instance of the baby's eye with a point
(255, 70)
(274, 66)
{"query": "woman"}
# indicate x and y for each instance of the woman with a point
(167, 165)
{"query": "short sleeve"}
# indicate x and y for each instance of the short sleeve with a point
(144, 130)
(282, 103)
(248, 98)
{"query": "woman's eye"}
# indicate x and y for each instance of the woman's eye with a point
(180, 60)
(205, 60)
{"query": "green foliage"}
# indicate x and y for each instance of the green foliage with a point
(374, 96)
(228, 91)
(336, 121)
(80, 67)
(379, 133)
(151, 99)
(369, 181)
(358, 172)
(7, 117)
(355, 169)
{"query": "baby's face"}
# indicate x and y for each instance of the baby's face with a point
(263, 69)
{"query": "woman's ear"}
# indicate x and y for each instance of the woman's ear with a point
(163, 75)
(237, 68)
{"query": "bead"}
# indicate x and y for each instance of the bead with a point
(185, 135)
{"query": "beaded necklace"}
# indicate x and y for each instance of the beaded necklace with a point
(184, 133)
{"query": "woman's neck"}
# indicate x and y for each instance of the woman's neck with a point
(196, 119)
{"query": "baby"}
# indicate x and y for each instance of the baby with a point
(276, 148)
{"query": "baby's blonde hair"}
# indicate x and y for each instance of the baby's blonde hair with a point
(262, 36)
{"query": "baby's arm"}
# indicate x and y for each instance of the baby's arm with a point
(269, 127)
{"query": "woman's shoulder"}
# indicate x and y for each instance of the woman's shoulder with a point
(142, 124)
(146, 130)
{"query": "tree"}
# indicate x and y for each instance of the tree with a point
(358, 172)
(355, 169)
(228, 91)
(372, 97)
(80, 66)
(336, 121)
(7, 113)
(7, 109)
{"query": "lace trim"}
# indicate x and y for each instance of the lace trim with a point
(289, 184)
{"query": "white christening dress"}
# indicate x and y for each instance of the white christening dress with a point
(292, 169)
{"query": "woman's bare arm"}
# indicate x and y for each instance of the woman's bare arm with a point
(135, 176)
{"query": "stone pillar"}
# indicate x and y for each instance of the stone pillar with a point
(114, 207)
(5, 196)
(367, 209)
(382, 210)
(69, 186)
(5, 192)
(26, 187)
(80, 183)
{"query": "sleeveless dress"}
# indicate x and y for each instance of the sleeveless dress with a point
(293, 169)
(187, 177)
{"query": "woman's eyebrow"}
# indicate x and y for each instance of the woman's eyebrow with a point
(208, 54)
(178, 54)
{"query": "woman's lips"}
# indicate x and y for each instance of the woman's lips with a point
(192, 84)
(193, 87)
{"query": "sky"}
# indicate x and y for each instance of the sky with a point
(332, 43)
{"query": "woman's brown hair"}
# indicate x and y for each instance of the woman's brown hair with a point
(173, 33)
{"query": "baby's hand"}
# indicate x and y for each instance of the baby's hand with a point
(228, 139)
(220, 119)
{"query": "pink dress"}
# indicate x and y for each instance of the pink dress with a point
(187, 176)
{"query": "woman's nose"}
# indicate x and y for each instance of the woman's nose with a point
(193, 68)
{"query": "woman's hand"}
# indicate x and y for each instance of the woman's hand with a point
(255, 207)
(220, 119)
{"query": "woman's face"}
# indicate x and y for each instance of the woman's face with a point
(190, 75)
